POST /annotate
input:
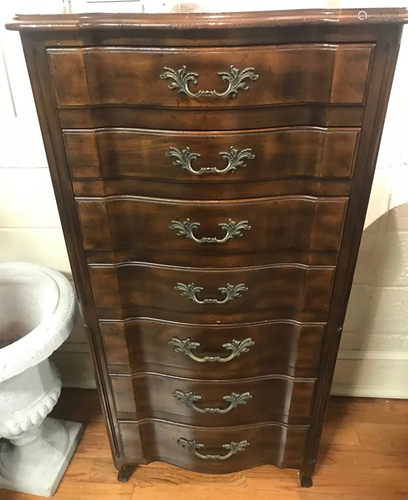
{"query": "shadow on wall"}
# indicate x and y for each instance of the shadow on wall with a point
(373, 358)
(43, 246)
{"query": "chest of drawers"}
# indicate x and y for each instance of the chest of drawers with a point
(212, 174)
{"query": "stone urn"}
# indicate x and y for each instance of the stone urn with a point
(37, 309)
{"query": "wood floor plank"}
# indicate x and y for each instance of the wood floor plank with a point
(85, 491)
(364, 456)
(385, 436)
(346, 434)
(198, 493)
(79, 491)
(79, 470)
(368, 410)
(94, 444)
(159, 474)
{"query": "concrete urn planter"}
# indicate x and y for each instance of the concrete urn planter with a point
(37, 307)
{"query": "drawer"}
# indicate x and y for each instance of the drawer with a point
(210, 77)
(193, 295)
(177, 444)
(212, 352)
(213, 403)
(214, 233)
(212, 157)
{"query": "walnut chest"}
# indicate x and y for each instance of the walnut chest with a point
(212, 173)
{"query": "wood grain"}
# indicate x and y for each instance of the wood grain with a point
(199, 192)
(295, 352)
(145, 290)
(354, 463)
(268, 443)
(201, 119)
(182, 19)
(312, 74)
(349, 468)
(383, 72)
(312, 152)
(286, 74)
(273, 399)
(140, 229)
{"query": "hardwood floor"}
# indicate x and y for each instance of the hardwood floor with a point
(364, 455)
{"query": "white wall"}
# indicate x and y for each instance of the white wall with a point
(373, 359)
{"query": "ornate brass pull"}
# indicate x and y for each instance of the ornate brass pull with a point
(190, 399)
(236, 80)
(231, 292)
(235, 159)
(233, 229)
(186, 346)
(192, 446)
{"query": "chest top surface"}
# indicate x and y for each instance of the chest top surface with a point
(203, 13)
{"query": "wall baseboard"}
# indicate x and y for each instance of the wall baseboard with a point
(368, 391)
(373, 355)
(372, 375)
(75, 368)
(79, 382)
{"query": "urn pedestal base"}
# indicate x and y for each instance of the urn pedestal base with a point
(37, 467)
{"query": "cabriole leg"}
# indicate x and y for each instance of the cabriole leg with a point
(305, 480)
(125, 472)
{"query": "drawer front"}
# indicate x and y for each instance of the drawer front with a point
(255, 445)
(208, 403)
(212, 157)
(209, 352)
(192, 295)
(190, 77)
(176, 232)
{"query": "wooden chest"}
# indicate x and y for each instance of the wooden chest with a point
(212, 174)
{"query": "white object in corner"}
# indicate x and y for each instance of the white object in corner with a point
(37, 307)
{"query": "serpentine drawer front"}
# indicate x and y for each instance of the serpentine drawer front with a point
(210, 156)
(195, 402)
(300, 229)
(272, 443)
(191, 295)
(212, 173)
(205, 353)
(244, 76)
(247, 164)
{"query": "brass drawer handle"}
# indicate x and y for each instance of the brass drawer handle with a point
(236, 80)
(231, 292)
(190, 399)
(232, 229)
(192, 446)
(234, 157)
(237, 347)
